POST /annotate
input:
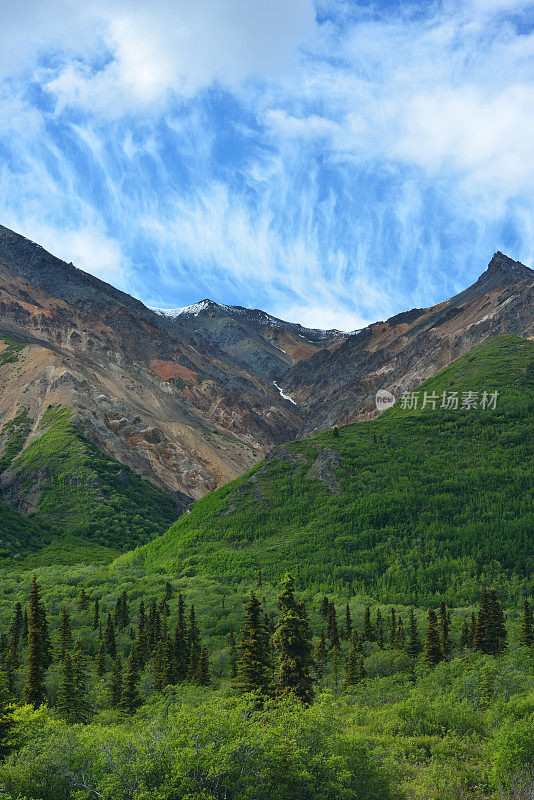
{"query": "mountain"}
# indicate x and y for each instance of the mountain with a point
(144, 389)
(338, 386)
(408, 507)
(263, 344)
(96, 385)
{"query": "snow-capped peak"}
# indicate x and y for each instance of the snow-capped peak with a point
(193, 310)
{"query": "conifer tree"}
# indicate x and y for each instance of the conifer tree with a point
(180, 649)
(25, 627)
(202, 677)
(34, 689)
(320, 656)
(399, 634)
(67, 689)
(169, 592)
(332, 629)
(96, 614)
(83, 600)
(100, 661)
(65, 642)
(392, 627)
(130, 699)
(292, 640)
(379, 627)
(367, 628)
(348, 621)
(193, 641)
(253, 663)
(526, 635)
(109, 638)
(82, 706)
(7, 723)
(413, 645)
(444, 628)
(354, 669)
(164, 661)
(496, 633)
(115, 682)
(324, 608)
(432, 654)
(259, 580)
(46, 644)
(472, 629)
(465, 636)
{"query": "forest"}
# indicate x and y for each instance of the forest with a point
(351, 619)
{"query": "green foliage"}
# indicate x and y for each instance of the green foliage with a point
(10, 353)
(438, 505)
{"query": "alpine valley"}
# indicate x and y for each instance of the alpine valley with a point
(226, 575)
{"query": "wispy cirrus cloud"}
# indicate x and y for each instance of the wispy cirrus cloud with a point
(332, 163)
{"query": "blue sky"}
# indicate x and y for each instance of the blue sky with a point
(331, 162)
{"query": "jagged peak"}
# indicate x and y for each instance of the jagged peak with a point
(503, 264)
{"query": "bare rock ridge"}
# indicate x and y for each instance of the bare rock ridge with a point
(190, 398)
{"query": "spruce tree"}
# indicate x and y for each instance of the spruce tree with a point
(354, 669)
(253, 662)
(444, 628)
(481, 640)
(367, 628)
(526, 635)
(67, 689)
(202, 677)
(83, 600)
(193, 641)
(130, 699)
(320, 656)
(496, 625)
(392, 627)
(109, 638)
(324, 608)
(65, 642)
(348, 621)
(292, 640)
(413, 645)
(399, 635)
(432, 654)
(82, 706)
(115, 682)
(100, 661)
(332, 629)
(96, 614)
(465, 636)
(25, 627)
(34, 689)
(379, 627)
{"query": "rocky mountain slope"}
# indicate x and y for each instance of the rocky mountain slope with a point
(191, 399)
(146, 390)
(338, 386)
(264, 344)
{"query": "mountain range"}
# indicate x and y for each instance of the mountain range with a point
(188, 399)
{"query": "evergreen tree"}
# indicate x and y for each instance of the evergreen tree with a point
(496, 634)
(253, 663)
(7, 722)
(320, 656)
(115, 682)
(67, 688)
(324, 608)
(367, 628)
(348, 621)
(392, 627)
(465, 636)
(83, 601)
(413, 645)
(169, 592)
(432, 650)
(193, 642)
(82, 706)
(379, 626)
(34, 689)
(96, 614)
(332, 630)
(354, 669)
(46, 644)
(25, 627)
(130, 699)
(472, 629)
(164, 661)
(65, 641)
(444, 628)
(100, 661)
(292, 640)
(121, 613)
(109, 638)
(202, 677)
(526, 635)
(399, 634)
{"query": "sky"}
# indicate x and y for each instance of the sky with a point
(331, 162)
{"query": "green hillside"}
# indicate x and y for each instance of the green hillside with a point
(408, 507)
(76, 490)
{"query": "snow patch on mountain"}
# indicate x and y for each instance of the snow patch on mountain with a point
(284, 396)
